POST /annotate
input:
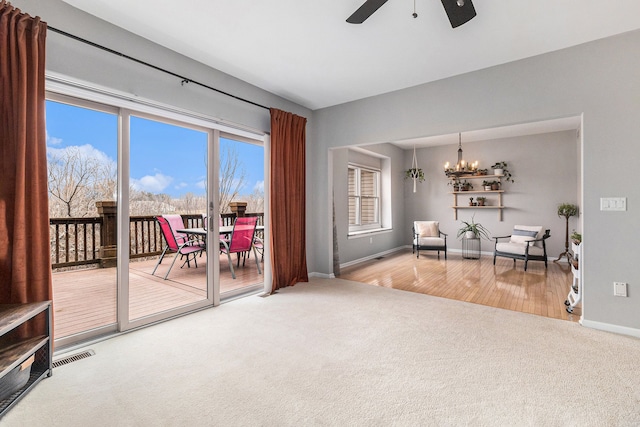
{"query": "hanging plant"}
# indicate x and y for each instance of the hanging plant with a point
(414, 173)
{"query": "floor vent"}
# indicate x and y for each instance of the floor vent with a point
(73, 358)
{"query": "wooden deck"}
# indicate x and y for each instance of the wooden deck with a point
(86, 299)
(537, 291)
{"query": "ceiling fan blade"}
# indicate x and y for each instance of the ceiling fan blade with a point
(457, 14)
(365, 11)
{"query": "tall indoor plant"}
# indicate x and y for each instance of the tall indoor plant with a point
(566, 210)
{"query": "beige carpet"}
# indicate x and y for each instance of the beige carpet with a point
(339, 353)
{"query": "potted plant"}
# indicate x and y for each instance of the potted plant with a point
(495, 185)
(467, 186)
(566, 210)
(415, 174)
(486, 185)
(481, 200)
(473, 230)
(500, 169)
(576, 237)
(470, 201)
(482, 171)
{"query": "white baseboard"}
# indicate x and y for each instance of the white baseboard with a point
(623, 330)
(322, 275)
(370, 257)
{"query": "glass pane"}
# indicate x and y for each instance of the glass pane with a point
(368, 183)
(369, 210)
(352, 182)
(82, 167)
(168, 176)
(241, 194)
(353, 217)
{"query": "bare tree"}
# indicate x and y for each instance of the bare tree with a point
(76, 180)
(232, 178)
(255, 201)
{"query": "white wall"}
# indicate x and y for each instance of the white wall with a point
(597, 79)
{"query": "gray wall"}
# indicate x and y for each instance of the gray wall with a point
(597, 79)
(80, 61)
(359, 247)
(545, 171)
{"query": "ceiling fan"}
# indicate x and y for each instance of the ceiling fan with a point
(458, 11)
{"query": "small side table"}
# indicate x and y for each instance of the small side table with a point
(471, 248)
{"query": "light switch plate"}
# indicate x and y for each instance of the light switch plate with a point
(613, 203)
(619, 289)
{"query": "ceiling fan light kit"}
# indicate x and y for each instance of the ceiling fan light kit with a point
(458, 11)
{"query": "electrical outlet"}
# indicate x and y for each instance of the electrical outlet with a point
(619, 289)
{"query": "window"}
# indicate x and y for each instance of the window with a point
(364, 198)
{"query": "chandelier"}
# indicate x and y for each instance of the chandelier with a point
(461, 167)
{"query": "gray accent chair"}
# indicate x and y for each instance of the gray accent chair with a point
(526, 243)
(428, 237)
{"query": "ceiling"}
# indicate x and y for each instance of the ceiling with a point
(304, 51)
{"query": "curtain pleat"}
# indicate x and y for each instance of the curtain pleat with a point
(25, 264)
(287, 203)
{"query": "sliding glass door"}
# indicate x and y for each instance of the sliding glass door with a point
(82, 152)
(168, 181)
(119, 179)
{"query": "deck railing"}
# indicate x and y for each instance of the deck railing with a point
(83, 241)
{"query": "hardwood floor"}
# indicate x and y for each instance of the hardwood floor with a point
(505, 285)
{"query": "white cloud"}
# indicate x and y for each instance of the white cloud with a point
(201, 184)
(180, 185)
(259, 186)
(52, 140)
(152, 183)
(85, 152)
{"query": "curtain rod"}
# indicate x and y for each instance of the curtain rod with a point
(184, 79)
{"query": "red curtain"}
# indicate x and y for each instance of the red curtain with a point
(287, 202)
(25, 264)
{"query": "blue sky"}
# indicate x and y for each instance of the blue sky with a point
(164, 158)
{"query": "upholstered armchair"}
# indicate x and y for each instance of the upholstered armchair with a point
(427, 236)
(526, 242)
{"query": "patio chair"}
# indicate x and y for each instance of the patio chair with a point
(241, 241)
(177, 242)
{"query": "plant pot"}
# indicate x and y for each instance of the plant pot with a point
(480, 202)
(469, 235)
(498, 172)
(495, 186)
(487, 188)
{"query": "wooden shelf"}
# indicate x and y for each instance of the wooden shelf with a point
(476, 191)
(476, 176)
(499, 207)
(477, 207)
(36, 351)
